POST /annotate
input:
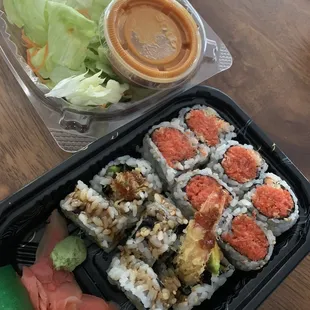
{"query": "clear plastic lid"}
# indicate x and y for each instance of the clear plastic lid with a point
(155, 44)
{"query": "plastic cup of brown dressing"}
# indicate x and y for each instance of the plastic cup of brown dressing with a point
(152, 43)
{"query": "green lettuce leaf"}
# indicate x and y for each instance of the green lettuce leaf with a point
(82, 90)
(103, 62)
(61, 73)
(69, 34)
(91, 8)
(37, 60)
(31, 15)
(12, 13)
(76, 4)
(97, 8)
(97, 60)
(50, 70)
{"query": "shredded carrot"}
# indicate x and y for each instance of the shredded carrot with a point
(33, 68)
(27, 41)
(84, 12)
(29, 61)
(29, 44)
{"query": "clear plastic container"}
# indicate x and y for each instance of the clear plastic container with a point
(74, 128)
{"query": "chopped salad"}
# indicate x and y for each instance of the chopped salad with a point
(64, 50)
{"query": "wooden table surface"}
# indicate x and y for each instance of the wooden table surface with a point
(270, 79)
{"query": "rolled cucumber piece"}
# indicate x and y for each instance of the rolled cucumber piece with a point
(13, 295)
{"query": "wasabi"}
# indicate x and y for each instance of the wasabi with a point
(69, 253)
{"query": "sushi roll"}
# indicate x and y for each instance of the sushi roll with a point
(198, 241)
(238, 165)
(189, 297)
(247, 242)
(198, 267)
(100, 219)
(185, 296)
(155, 232)
(273, 202)
(193, 188)
(173, 150)
(167, 276)
(140, 283)
(127, 182)
(207, 125)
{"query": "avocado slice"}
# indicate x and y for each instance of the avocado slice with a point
(114, 169)
(214, 262)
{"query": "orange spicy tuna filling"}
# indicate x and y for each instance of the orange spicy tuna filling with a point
(273, 202)
(247, 238)
(200, 187)
(206, 127)
(240, 164)
(173, 145)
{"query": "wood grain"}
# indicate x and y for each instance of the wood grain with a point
(270, 79)
(27, 150)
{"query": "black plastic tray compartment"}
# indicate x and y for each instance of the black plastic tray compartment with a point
(23, 215)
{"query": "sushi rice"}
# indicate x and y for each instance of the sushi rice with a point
(155, 232)
(216, 165)
(276, 225)
(100, 219)
(151, 153)
(140, 283)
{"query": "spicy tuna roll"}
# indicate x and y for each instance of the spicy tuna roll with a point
(247, 242)
(155, 233)
(207, 125)
(193, 188)
(274, 203)
(173, 150)
(140, 283)
(239, 165)
(127, 182)
(100, 219)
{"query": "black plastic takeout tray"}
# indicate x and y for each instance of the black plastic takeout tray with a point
(23, 216)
